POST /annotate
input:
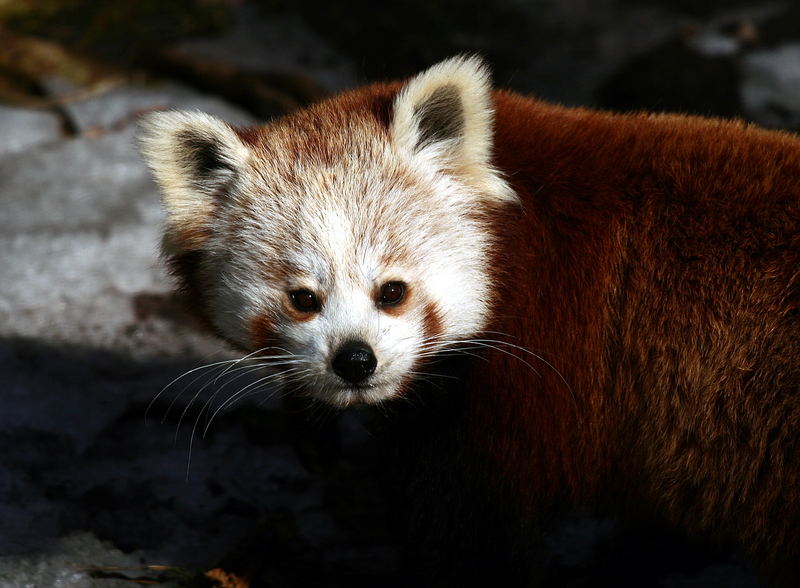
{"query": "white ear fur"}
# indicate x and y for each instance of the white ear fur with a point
(445, 115)
(194, 157)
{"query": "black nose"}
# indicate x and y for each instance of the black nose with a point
(354, 362)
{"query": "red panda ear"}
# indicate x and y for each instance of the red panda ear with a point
(444, 115)
(195, 159)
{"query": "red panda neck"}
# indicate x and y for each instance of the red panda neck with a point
(556, 266)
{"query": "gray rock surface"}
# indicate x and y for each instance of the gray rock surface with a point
(22, 128)
(280, 43)
(68, 565)
(770, 88)
(78, 239)
(119, 106)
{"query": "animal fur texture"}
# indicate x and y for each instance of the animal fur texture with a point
(622, 290)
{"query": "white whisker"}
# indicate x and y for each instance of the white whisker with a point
(241, 393)
(183, 375)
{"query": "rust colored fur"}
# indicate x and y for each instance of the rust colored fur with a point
(655, 264)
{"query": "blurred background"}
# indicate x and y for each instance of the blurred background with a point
(92, 493)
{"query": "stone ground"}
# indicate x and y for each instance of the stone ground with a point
(93, 493)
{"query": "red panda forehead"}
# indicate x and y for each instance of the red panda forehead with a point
(288, 159)
(321, 248)
(300, 176)
(375, 102)
(338, 155)
(330, 130)
(382, 213)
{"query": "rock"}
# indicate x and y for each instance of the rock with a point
(118, 107)
(278, 44)
(70, 565)
(21, 129)
(770, 88)
(83, 184)
(79, 239)
(721, 576)
(676, 76)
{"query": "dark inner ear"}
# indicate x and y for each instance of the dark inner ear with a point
(441, 116)
(203, 156)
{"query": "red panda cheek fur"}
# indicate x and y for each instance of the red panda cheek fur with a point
(432, 323)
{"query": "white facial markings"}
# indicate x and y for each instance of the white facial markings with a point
(332, 233)
(343, 230)
(344, 244)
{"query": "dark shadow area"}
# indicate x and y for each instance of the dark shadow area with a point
(79, 456)
(285, 495)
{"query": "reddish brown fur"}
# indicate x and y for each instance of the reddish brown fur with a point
(262, 332)
(655, 262)
(432, 325)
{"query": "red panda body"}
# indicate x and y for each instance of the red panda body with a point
(640, 344)
(656, 268)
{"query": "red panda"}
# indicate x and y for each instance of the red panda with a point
(609, 300)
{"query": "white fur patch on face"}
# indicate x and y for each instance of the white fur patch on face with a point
(352, 315)
(379, 220)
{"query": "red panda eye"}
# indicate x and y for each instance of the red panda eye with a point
(392, 293)
(304, 300)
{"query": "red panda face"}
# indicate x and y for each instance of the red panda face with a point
(350, 248)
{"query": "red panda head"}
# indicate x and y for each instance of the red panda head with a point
(350, 239)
